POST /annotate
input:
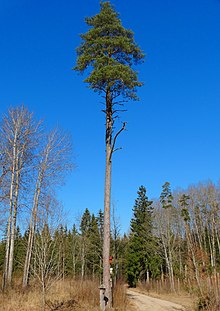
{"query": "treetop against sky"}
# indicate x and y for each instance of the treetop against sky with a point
(172, 132)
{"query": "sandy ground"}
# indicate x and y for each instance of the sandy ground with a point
(143, 302)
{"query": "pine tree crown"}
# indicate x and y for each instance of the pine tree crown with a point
(109, 51)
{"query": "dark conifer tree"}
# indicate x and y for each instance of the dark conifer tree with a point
(84, 228)
(85, 222)
(73, 252)
(95, 246)
(142, 245)
(2, 252)
(19, 251)
(184, 203)
(166, 197)
(100, 219)
(61, 239)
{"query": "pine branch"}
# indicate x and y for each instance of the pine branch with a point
(115, 138)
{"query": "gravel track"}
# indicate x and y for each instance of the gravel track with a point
(143, 302)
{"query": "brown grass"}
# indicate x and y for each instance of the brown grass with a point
(120, 301)
(67, 295)
(181, 296)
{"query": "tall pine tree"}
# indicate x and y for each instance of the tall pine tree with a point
(109, 51)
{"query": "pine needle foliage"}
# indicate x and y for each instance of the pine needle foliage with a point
(109, 51)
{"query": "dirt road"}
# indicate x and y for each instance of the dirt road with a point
(145, 303)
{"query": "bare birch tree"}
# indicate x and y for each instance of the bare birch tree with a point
(54, 161)
(45, 267)
(18, 132)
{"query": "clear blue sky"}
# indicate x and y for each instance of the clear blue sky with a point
(173, 132)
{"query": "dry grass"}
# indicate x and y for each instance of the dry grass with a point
(15, 300)
(181, 296)
(189, 298)
(120, 300)
(63, 296)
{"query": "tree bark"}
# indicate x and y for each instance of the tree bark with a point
(5, 273)
(106, 242)
(32, 226)
(28, 256)
(13, 225)
(107, 200)
(13, 196)
(193, 256)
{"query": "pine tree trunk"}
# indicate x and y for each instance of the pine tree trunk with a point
(106, 242)
(107, 200)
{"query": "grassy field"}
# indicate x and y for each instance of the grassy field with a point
(64, 295)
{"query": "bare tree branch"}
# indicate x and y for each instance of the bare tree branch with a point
(115, 138)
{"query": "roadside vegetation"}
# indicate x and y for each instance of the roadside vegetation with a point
(65, 295)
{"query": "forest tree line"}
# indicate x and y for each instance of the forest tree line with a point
(175, 238)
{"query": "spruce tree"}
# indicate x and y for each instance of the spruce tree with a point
(184, 203)
(85, 222)
(167, 238)
(84, 228)
(142, 245)
(2, 252)
(100, 219)
(19, 251)
(109, 51)
(94, 246)
(166, 197)
(73, 250)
